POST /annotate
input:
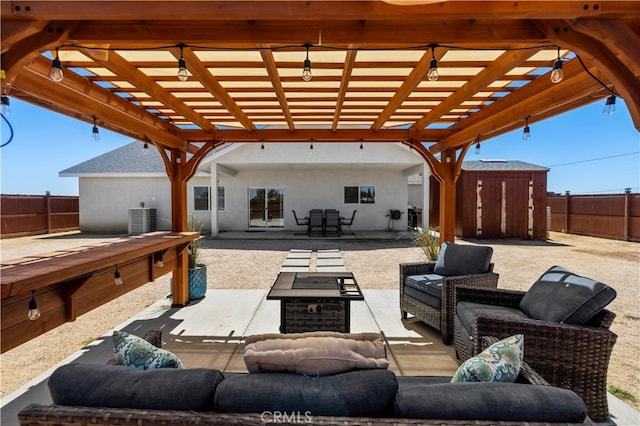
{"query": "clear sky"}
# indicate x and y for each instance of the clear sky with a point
(587, 152)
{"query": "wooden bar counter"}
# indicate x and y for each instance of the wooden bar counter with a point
(71, 282)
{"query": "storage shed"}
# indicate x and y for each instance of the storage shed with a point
(498, 199)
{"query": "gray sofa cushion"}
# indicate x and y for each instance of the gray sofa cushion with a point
(564, 297)
(423, 297)
(489, 401)
(117, 386)
(462, 259)
(358, 393)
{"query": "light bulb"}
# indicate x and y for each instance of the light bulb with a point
(56, 73)
(432, 75)
(306, 72)
(5, 109)
(182, 70)
(146, 148)
(478, 148)
(160, 261)
(526, 133)
(117, 278)
(556, 74)
(96, 133)
(610, 106)
(34, 312)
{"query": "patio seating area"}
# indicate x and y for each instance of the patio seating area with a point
(211, 332)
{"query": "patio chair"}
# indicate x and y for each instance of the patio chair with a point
(345, 222)
(332, 220)
(566, 330)
(301, 222)
(428, 289)
(315, 221)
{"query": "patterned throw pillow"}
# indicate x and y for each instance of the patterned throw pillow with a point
(134, 351)
(500, 362)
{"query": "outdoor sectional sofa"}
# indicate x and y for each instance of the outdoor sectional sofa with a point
(115, 394)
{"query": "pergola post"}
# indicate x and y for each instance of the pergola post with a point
(179, 210)
(446, 171)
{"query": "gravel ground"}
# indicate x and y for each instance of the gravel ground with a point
(251, 264)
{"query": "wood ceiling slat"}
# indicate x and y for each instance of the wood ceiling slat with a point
(344, 85)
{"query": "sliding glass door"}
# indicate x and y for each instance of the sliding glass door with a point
(266, 207)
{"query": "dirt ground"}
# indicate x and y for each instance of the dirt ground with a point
(250, 264)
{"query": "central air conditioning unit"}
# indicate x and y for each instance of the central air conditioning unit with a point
(142, 220)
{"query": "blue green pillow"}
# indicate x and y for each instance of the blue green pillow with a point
(134, 351)
(500, 362)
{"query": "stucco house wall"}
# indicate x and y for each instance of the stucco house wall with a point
(111, 184)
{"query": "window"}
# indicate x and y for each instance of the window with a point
(221, 198)
(351, 195)
(201, 198)
(365, 194)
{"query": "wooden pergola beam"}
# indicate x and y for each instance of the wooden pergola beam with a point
(119, 66)
(348, 10)
(194, 65)
(77, 95)
(274, 77)
(537, 97)
(488, 75)
(408, 86)
(349, 61)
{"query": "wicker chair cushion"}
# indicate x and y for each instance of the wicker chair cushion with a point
(515, 402)
(426, 288)
(466, 316)
(358, 393)
(564, 297)
(134, 351)
(458, 259)
(90, 385)
(426, 298)
(500, 362)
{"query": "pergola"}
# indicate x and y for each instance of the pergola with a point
(371, 65)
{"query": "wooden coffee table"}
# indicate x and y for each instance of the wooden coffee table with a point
(315, 301)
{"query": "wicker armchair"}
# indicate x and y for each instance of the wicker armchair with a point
(575, 357)
(440, 317)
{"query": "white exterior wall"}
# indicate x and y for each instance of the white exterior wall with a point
(105, 202)
(315, 189)
(309, 179)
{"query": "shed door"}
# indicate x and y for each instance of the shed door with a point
(490, 198)
(504, 208)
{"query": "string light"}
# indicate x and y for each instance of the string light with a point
(34, 312)
(95, 132)
(146, 148)
(556, 73)
(5, 109)
(182, 67)
(117, 278)
(478, 145)
(432, 75)
(610, 105)
(56, 73)
(306, 70)
(526, 132)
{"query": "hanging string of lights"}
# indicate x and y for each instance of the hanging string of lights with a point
(556, 76)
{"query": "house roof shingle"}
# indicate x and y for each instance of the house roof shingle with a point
(127, 159)
(501, 165)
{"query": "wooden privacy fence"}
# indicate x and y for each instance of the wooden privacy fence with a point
(22, 215)
(613, 216)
